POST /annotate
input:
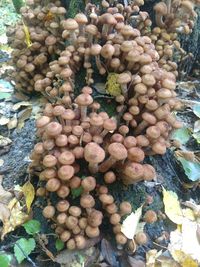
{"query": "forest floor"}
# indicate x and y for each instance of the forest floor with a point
(178, 171)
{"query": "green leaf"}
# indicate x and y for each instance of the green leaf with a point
(197, 137)
(59, 244)
(4, 95)
(182, 135)
(32, 227)
(76, 192)
(23, 247)
(192, 169)
(5, 260)
(196, 110)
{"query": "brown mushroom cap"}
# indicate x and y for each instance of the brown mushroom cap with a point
(133, 172)
(149, 172)
(136, 154)
(81, 18)
(84, 100)
(117, 151)
(65, 172)
(123, 78)
(42, 121)
(66, 158)
(109, 124)
(53, 129)
(70, 24)
(94, 153)
(149, 118)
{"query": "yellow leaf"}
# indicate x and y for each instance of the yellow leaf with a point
(27, 35)
(172, 206)
(29, 193)
(184, 259)
(130, 224)
(17, 217)
(151, 257)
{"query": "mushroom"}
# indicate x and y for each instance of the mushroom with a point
(123, 79)
(71, 25)
(117, 152)
(93, 154)
(161, 10)
(84, 100)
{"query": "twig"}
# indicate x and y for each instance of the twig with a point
(159, 245)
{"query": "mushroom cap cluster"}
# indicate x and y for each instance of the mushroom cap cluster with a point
(78, 141)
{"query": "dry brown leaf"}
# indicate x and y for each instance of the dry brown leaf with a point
(21, 104)
(151, 257)
(135, 262)
(5, 196)
(4, 121)
(12, 123)
(17, 217)
(4, 213)
(108, 252)
(70, 258)
(4, 141)
(21, 96)
(23, 116)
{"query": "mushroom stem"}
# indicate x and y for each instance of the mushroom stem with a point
(124, 90)
(159, 20)
(72, 37)
(93, 167)
(106, 165)
(104, 133)
(83, 113)
(140, 127)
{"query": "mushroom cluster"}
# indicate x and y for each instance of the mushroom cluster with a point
(77, 144)
(81, 147)
(35, 41)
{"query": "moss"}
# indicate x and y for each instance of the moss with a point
(18, 4)
(74, 7)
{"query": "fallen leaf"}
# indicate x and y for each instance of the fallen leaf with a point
(108, 252)
(4, 121)
(196, 126)
(5, 196)
(29, 193)
(188, 155)
(184, 244)
(4, 141)
(184, 259)
(4, 213)
(135, 262)
(172, 206)
(151, 257)
(23, 247)
(192, 169)
(196, 110)
(12, 123)
(23, 116)
(21, 96)
(197, 137)
(4, 95)
(1, 162)
(72, 258)
(20, 104)
(130, 224)
(182, 135)
(164, 261)
(17, 217)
